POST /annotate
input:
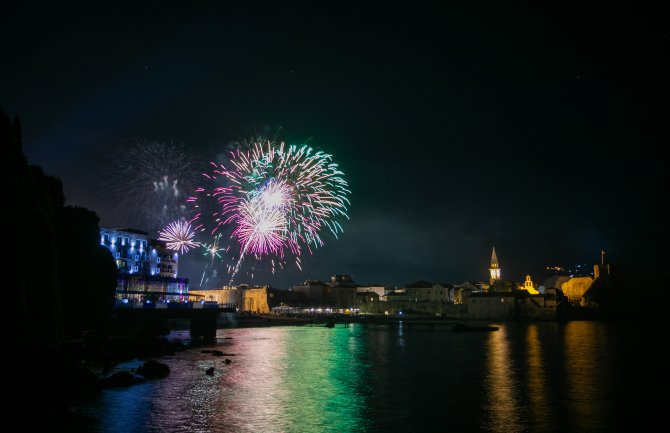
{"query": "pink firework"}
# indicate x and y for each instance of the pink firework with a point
(277, 198)
(178, 236)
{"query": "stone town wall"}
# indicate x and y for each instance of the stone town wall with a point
(575, 288)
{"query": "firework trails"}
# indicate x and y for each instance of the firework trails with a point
(148, 182)
(178, 236)
(213, 249)
(279, 199)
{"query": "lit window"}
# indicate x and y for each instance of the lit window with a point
(135, 268)
(117, 254)
(158, 259)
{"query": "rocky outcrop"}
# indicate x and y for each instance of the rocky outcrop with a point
(153, 370)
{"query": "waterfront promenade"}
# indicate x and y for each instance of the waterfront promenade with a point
(232, 320)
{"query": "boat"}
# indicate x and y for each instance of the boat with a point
(474, 328)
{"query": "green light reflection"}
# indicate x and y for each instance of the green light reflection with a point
(322, 381)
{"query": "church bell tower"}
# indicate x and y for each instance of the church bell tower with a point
(495, 268)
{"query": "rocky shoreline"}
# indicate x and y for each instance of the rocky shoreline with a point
(44, 385)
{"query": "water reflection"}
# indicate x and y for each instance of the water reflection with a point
(540, 411)
(502, 408)
(585, 344)
(535, 377)
(321, 383)
(281, 379)
(256, 375)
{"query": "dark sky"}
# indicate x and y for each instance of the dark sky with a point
(538, 131)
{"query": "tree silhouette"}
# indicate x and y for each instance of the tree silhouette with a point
(56, 264)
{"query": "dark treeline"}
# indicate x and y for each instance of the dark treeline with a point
(59, 281)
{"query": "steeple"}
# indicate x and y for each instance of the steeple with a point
(494, 259)
(495, 268)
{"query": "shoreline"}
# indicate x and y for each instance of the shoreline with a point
(267, 320)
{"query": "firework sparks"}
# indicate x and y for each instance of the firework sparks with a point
(214, 249)
(148, 182)
(178, 236)
(278, 198)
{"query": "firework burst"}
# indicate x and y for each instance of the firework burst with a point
(178, 236)
(148, 182)
(214, 249)
(278, 199)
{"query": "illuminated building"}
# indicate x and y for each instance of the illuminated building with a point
(135, 253)
(495, 268)
(528, 286)
(380, 289)
(577, 286)
(253, 299)
(247, 299)
(506, 300)
(144, 264)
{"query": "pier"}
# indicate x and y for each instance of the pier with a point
(202, 316)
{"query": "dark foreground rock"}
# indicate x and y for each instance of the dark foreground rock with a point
(153, 370)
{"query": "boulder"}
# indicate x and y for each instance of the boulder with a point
(153, 370)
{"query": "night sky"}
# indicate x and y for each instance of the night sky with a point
(538, 131)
